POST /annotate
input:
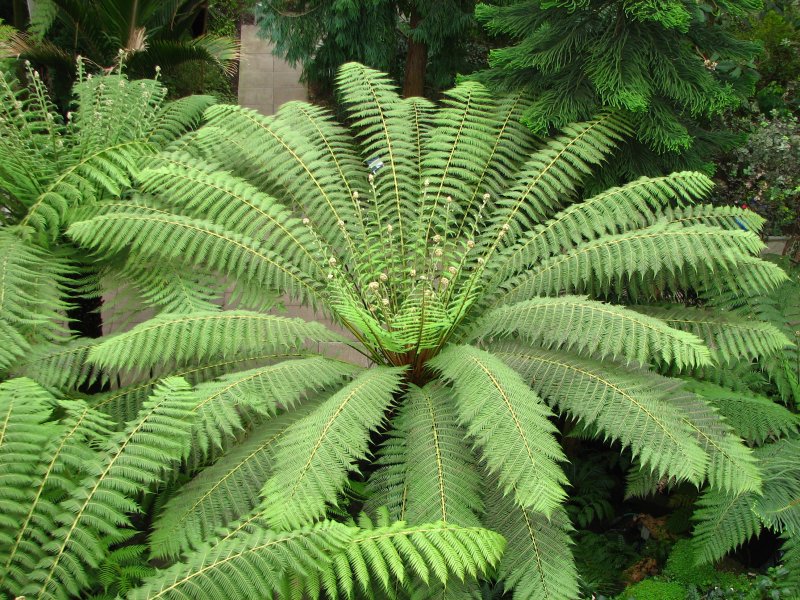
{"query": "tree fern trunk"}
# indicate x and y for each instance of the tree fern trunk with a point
(416, 62)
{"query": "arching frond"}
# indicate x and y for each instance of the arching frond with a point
(381, 118)
(509, 423)
(725, 522)
(778, 507)
(663, 250)
(199, 336)
(441, 480)
(732, 466)
(290, 166)
(222, 493)
(636, 204)
(595, 329)
(459, 146)
(263, 391)
(151, 232)
(25, 408)
(66, 451)
(755, 418)
(131, 461)
(32, 283)
(537, 563)
(551, 176)
(729, 337)
(201, 190)
(315, 454)
(625, 405)
(328, 555)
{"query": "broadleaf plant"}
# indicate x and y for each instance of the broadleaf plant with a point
(492, 304)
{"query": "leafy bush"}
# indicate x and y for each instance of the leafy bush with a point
(764, 174)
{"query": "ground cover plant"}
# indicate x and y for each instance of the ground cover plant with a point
(495, 307)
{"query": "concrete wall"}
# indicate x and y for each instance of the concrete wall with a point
(266, 81)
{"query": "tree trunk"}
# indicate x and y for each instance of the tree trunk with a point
(416, 62)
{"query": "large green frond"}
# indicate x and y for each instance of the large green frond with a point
(147, 231)
(629, 406)
(25, 408)
(509, 422)
(201, 190)
(732, 466)
(755, 418)
(32, 283)
(676, 256)
(314, 456)
(263, 391)
(331, 556)
(441, 480)
(636, 204)
(66, 451)
(537, 563)
(725, 522)
(779, 505)
(596, 329)
(729, 337)
(459, 146)
(222, 493)
(551, 176)
(130, 462)
(199, 336)
(381, 118)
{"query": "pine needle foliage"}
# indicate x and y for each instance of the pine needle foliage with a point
(668, 67)
(454, 250)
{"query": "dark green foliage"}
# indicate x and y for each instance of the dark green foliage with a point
(764, 173)
(668, 66)
(322, 35)
(144, 36)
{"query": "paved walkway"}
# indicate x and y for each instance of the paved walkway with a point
(266, 81)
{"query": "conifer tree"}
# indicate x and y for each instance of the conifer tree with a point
(426, 36)
(670, 66)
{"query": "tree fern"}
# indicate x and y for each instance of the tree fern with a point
(444, 242)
